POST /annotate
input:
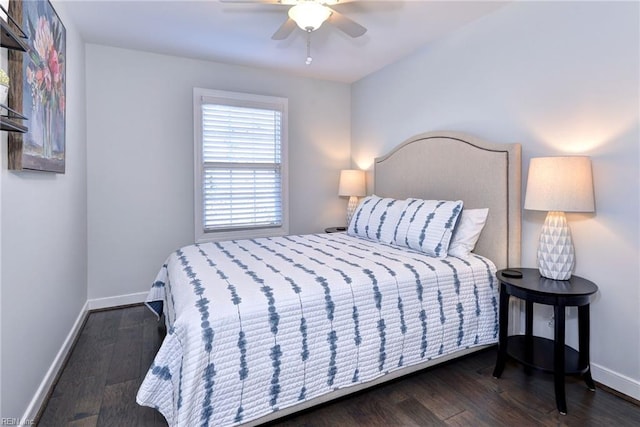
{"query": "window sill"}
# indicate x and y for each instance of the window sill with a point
(241, 234)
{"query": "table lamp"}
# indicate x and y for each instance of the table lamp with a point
(558, 185)
(352, 185)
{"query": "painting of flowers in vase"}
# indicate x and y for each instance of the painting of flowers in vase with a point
(40, 77)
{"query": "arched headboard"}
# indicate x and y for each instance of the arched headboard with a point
(458, 166)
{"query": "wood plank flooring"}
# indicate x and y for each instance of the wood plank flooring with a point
(115, 348)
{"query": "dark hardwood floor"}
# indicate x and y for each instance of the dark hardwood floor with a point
(110, 358)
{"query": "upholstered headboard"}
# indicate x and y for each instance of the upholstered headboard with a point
(457, 166)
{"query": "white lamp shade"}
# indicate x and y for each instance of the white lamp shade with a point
(352, 183)
(563, 184)
(309, 15)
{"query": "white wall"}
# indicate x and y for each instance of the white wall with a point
(558, 77)
(44, 251)
(140, 156)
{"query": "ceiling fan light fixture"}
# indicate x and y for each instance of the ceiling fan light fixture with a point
(309, 15)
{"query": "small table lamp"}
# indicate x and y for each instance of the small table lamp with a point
(352, 184)
(558, 185)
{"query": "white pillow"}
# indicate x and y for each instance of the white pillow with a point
(467, 232)
(427, 225)
(390, 221)
(375, 218)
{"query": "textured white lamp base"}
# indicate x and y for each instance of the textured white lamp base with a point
(556, 256)
(351, 208)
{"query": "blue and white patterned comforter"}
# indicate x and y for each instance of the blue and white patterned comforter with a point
(260, 325)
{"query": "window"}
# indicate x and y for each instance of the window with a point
(241, 168)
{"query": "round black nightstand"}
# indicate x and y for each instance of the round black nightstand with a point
(335, 229)
(542, 353)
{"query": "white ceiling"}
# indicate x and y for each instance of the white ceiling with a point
(240, 33)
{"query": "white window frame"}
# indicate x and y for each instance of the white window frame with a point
(201, 95)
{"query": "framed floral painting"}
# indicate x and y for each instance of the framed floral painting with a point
(38, 88)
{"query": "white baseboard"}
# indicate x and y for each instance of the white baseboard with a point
(616, 381)
(41, 394)
(98, 303)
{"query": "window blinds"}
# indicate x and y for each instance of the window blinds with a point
(242, 166)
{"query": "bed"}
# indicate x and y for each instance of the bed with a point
(261, 328)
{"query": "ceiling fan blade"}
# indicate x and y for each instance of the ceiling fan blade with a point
(252, 1)
(285, 30)
(345, 24)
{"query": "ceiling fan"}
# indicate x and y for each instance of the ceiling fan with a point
(309, 15)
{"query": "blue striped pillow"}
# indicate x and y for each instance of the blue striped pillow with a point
(375, 218)
(427, 225)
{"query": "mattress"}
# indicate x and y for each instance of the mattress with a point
(255, 326)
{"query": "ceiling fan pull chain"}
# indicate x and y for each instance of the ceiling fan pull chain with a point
(309, 58)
